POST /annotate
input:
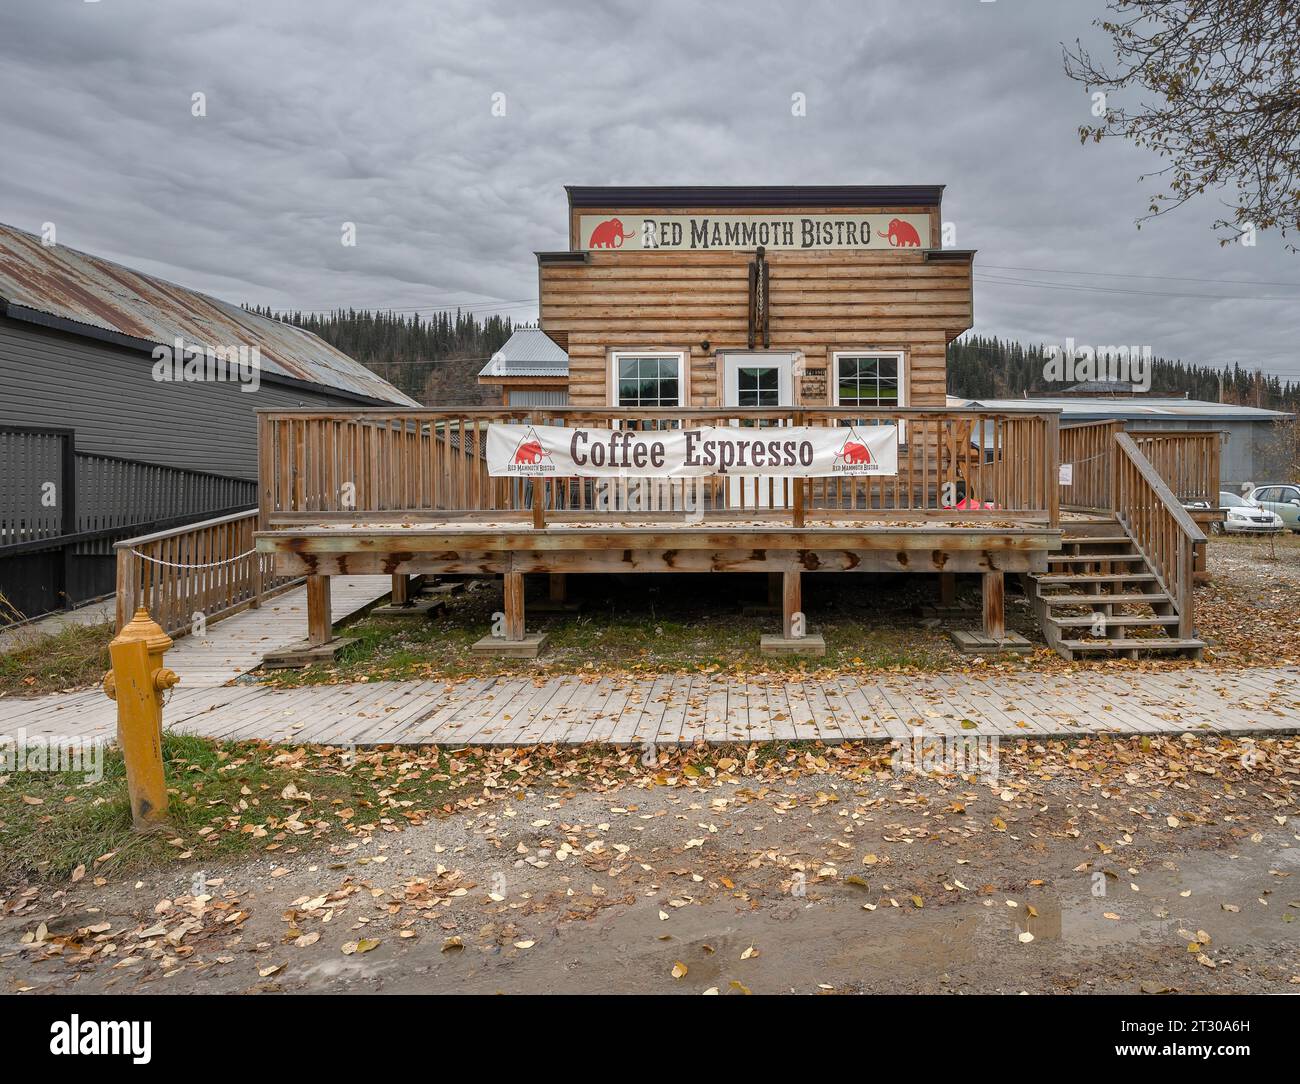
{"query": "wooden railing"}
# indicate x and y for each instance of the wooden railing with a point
(354, 464)
(1187, 460)
(208, 569)
(1089, 452)
(1152, 515)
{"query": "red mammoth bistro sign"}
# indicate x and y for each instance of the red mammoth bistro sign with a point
(540, 451)
(700, 232)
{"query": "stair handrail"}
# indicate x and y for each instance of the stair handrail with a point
(1159, 525)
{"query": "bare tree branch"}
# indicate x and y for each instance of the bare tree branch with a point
(1221, 102)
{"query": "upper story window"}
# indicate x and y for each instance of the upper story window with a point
(872, 380)
(648, 379)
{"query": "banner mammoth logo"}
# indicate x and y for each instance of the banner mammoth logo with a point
(530, 457)
(855, 455)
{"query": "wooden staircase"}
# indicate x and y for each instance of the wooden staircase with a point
(1101, 596)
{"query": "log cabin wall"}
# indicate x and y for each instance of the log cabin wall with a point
(910, 300)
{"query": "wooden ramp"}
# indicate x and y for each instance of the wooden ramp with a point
(683, 708)
(236, 644)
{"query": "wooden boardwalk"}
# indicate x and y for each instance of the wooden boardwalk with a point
(682, 708)
(236, 644)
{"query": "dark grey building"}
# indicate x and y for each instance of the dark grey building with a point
(129, 404)
(78, 343)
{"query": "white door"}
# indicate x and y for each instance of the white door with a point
(757, 380)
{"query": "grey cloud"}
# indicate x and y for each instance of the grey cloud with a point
(325, 111)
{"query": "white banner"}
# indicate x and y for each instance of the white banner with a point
(541, 451)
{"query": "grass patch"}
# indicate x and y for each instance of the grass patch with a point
(647, 624)
(43, 662)
(226, 800)
(236, 801)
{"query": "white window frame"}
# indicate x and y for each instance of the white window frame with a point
(783, 361)
(899, 355)
(683, 374)
(904, 376)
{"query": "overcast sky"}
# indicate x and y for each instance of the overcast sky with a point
(321, 112)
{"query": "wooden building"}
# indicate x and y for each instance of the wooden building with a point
(847, 312)
(736, 308)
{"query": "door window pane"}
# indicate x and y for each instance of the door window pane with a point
(758, 386)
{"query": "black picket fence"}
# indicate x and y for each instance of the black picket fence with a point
(62, 509)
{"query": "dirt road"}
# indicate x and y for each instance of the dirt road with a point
(1099, 867)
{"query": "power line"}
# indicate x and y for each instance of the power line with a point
(1122, 290)
(1124, 275)
(419, 310)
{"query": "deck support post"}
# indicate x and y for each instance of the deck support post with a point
(539, 504)
(514, 603)
(320, 624)
(995, 619)
(401, 589)
(512, 642)
(795, 638)
(792, 620)
(558, 588)
(947, 589)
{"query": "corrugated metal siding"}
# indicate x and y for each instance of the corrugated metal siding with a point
(539, 397)
(110, 398)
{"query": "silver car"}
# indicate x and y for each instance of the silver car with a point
(1281, 498)
(1246, 516)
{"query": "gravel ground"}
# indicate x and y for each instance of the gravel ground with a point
(1092, 867)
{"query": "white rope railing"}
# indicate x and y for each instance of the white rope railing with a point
(206, 564)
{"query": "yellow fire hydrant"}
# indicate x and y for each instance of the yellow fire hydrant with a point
(137, 682)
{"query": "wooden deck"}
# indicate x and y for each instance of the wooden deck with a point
(684, 708)
(403, 493)
(737, 544)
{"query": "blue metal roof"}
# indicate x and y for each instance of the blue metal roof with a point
(528, 352)
(1135, 408)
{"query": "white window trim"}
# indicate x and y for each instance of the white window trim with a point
(784, 360)
(683, 373)
(904, 376)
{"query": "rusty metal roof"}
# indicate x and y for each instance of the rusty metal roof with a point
(59, 286)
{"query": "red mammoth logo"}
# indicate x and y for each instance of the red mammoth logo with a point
(901, 234)
(855, 455)
(609, 234)
(529, 452)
